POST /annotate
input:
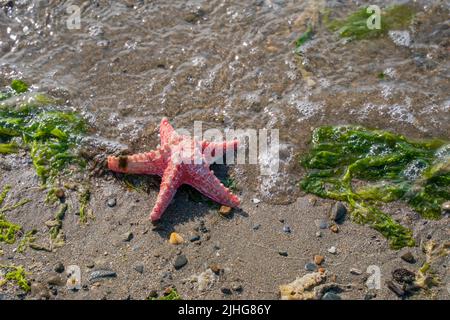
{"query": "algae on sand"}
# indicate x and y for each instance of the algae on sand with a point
(355, 25)
(368, 167)
(16, 274)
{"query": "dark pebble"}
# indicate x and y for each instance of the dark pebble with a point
(127, 236)
(111, 202)
(283, 253)
(403, 275)
(225, 290)
(310, 266)
(194, 238)
(237, 288)
(153, 294)
(396, 289)
(59, 267)
(256, 226)
(139, 268)
(180, 261)
(338, 212)
(408, 257)
(331, 296)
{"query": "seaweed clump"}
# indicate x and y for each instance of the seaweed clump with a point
(33, 122)
(369, 167)
(8, 230)
(16, 274)
(355, 25)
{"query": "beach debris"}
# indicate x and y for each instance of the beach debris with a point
(175, 238)
(302, 288)
(101, 274)
(332, 250)
(205, 280)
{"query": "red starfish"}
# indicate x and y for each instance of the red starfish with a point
(166, 162)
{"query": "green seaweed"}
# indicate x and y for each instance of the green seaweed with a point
(355, 25)
(57, 222)
(19, 86)
(50, 135)
(369, 167)
(172, 294)
(84, 198)
(304, 37)
(16, 274)
(8, 230)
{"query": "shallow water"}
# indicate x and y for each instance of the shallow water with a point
(231, 64)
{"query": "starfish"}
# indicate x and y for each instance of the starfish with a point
(179, 160)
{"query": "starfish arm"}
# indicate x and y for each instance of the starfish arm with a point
(209, 149)
(152, 162)
(165, 131)
(171, 180)
(207, 183)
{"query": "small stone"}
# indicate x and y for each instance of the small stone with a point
(215, 268)
(55, 280)
(59, 193)
(194, 238)
(321, 270)
(153, 294)
(408, 257)
(237, 287)
(127, 236)
(59, 267)
(139, 268)
(355, 271)
(396, 289)
(39, 291)
(225, 290)
(256, 226)
(322, 224)
(318, 234)
(111, 202)
(310, 266)
(286, 229)
(90, 265)
(334, 228)
(402, 275)
(224, 210)
(318, 259)
(446, 206)
(180, 261)
(175, 238)
(256, 200)
(338, 212)
(332, 250)
(331, 296)
(283, 253)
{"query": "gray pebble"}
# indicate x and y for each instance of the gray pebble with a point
(180, 261)
(331, 296)
(256, 226)
(310, 266)
(111, 202)
(286, 229)
(139, 268)
(127, 236)
(194, 238)
(98, 274)
(338, 212)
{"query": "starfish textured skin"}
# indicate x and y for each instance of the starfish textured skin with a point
(179, 160)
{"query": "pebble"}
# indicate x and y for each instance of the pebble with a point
(175, 238)
(40, 291)
(111, 202)
(153, 294)
(396, 289)
(355, 271)
(286, 229)
(127, 236)
(318, 234)
(402, 275)
(255, 200)
(139, 268)
(215, 268)
(338, 212)
(318, 259)
(194, 238)
(446, 206)
(225, 290)
(224, 210)
(180, 261)
(237, 287)
(408, 257)
(98, 274)
(90, 265)
(322, 224)
(55, 280)
(283, 253)
(332, 250)
(331, 296)
(334, 228)
(310, 266)
(256, 226)
(59, 267)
